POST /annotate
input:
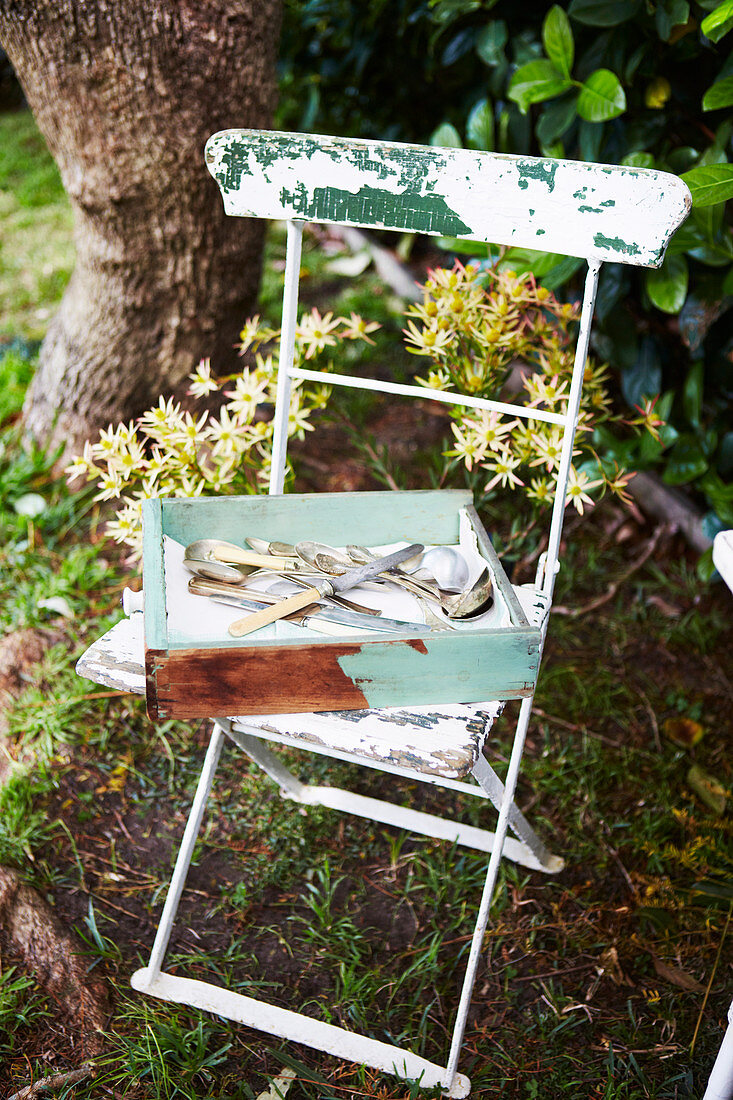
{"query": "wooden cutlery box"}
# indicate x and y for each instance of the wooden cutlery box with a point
(194, 678)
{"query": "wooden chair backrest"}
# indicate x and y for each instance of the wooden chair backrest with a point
(602, 213)
(597, 211)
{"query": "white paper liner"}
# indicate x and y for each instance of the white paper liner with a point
(195, 619)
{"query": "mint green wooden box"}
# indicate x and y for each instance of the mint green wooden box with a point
(260, 676)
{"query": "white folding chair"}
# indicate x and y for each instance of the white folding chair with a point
(598, 212)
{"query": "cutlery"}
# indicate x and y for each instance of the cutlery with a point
(349, 579)
(218, 550)
(327, 620)
(205, 587)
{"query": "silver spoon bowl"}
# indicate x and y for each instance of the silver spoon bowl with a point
(218, 571)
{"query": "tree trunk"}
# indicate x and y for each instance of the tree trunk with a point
(126, 93)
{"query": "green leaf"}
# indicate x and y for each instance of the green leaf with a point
(536, 81)
(719, 94)
(475, 249)
(638, 160)
(667, 285)
(551, 268)
(601, 97)
(559, 274)
(603, 13)
(491, 42)
(523, 260)
(685, 462)
(710, 183)
(719, 22)
(480, 126)
(670, 14)
(692, 392)
(555, 120)
(558, 39)
(446, 136)
(644, 378)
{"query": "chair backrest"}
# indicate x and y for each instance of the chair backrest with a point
(602, 213)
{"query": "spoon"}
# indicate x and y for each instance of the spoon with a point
(334, 562)
(446, 566)
(279, 549)
(419, 586)
(217, 550)
(459, 606)
(474, 601)
(217, 571)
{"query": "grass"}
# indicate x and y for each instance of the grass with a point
(591, 984)
(36, 251)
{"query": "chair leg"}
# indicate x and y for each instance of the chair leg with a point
(142, 978)
(489, 887)
(528, 850)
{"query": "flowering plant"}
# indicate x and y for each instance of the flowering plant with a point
(172, 452)
(488, 332)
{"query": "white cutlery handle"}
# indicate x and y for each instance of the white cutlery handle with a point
(278, 610)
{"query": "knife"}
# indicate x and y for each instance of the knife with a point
(329, 620)
(324, 587)
(202, 586)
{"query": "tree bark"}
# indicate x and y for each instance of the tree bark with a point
(126, 93)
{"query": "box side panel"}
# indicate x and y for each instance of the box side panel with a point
(344, 676)
(500, 578)
(336, 518)
(154, 575)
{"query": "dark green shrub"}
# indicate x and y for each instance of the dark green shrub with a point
(621, 81)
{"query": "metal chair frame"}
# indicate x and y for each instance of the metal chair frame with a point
(504, 200)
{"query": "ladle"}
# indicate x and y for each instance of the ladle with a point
(462, 605)
(445, 565)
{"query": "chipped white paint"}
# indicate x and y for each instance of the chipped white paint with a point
(594, 211)
(605, 212)
(299, 1028)
(117, 659)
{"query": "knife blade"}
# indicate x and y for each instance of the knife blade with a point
(324, 587)
(202, 586)
(330, 620)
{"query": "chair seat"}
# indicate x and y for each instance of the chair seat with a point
(443, 741)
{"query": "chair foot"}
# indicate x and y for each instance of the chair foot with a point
(298, 1028)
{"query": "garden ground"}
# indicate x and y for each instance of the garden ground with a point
(609, 980)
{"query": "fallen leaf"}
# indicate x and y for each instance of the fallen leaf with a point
(58, 604)
(683, 731)
(707, 789)
(350, 266)
(30, 505)
(669, 610)
(278, 1086)
(609, 964)
(675, 976)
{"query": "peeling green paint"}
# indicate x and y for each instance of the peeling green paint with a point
(542, 170)
(540, 232)
(615, 243)
(596, 209)
(581, 193)
(373, 206)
